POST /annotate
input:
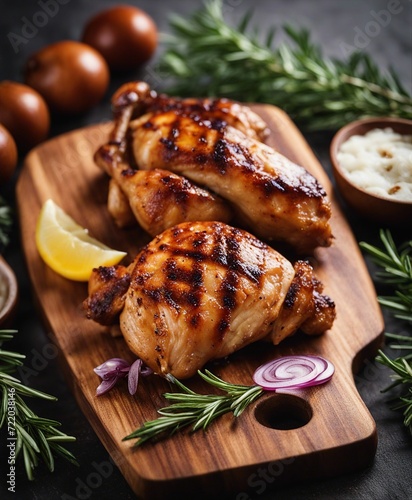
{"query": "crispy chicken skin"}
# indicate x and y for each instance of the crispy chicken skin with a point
(107, 291)
(202, 290)
(304, 307)
(218, 112)
(217, 144)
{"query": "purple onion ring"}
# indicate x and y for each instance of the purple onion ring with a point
(294, 372)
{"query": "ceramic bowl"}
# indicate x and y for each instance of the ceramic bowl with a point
(8, 293)
(377, 208)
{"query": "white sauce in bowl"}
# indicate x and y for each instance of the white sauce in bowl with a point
(380, 162)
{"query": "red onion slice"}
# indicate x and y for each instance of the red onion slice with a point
(106, 385)
(293, 372)
(113, 367)
(133, 376)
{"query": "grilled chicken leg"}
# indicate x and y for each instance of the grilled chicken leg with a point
(200, 291)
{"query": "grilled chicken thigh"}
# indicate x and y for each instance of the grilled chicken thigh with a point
(217, 144)
(202, 290)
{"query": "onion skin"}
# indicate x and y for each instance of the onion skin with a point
(24, 113)
(8, 155)
(71, 76)
(294, 372)
(125, 36)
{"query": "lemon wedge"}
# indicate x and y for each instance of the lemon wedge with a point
(67, 248)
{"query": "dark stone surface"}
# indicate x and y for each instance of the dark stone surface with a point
(334, 24)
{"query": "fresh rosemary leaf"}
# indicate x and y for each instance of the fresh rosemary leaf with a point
(64, 453)
(36, 437)
(28, 464)
(45, 450)
(42, 422)
(60, 439)
(206, 56)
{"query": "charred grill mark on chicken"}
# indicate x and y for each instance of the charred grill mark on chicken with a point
(184, 269)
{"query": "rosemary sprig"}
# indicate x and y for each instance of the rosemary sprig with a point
(196, 410)
(402, 375)
(34, 437)
(396, 271)
(6, 221)
(405, 343)
(206, 56)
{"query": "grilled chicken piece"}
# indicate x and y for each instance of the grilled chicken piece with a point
(159, 199)
(135, 99)
(274, 197)
(217, 144)
(202, 290)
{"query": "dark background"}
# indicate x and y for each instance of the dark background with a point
(335, 25)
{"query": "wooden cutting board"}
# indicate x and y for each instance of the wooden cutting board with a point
(312, 433)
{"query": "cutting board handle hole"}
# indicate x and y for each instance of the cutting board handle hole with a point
(283, 412)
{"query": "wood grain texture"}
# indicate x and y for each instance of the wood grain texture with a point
(340, 435)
